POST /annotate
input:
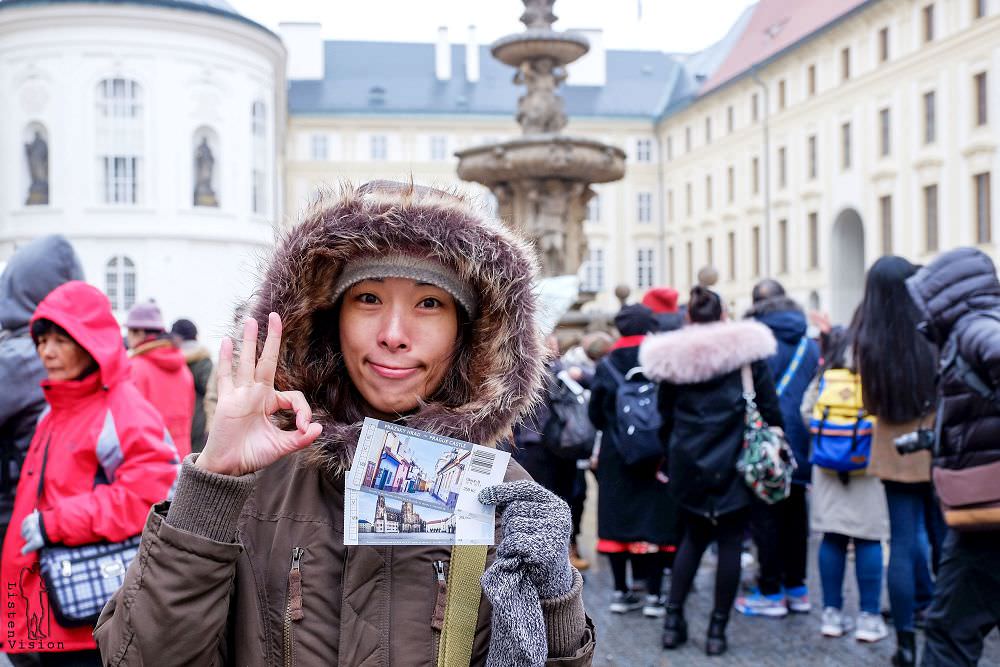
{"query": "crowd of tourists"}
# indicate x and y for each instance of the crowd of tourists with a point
(705, 430)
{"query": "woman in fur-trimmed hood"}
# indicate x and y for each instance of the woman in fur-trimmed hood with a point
(390, 301)
(701, 401)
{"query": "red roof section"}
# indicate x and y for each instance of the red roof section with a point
(775, 25)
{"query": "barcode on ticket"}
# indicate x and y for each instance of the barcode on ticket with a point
(482, 461)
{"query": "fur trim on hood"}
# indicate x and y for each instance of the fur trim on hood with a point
(700, 352)
(507, 359)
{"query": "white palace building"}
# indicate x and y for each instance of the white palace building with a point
(169, 140)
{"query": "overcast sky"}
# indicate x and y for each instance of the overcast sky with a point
(665, 25)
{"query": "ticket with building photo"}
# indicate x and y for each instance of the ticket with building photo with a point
(407, 486)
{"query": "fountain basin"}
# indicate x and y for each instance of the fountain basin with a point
(563, 47)
(542, 156)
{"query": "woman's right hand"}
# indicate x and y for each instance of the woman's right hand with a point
(242, 438)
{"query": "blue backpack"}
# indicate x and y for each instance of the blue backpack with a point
(841, 429)
(637, 415)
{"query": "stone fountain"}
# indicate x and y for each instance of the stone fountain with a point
(542, 179)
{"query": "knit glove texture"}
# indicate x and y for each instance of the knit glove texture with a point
(31, 531)
(532, 563)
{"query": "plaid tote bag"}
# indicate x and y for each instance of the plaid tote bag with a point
(80, 580)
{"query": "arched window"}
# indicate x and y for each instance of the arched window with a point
(258, 174)
(119, 282)
(120, 138)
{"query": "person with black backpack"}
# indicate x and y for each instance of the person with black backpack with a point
(635, 513)
(703, 400)
(958, 296)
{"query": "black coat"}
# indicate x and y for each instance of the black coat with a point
(632, 506)
(701, 400)
(955, 293)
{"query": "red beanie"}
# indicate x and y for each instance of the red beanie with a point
(661, 300)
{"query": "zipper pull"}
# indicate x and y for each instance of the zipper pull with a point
(295, 586)
(437, 619)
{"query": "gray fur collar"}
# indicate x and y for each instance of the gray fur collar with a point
(700, 352)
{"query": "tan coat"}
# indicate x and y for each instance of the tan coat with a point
(192, 600)
(887, 464)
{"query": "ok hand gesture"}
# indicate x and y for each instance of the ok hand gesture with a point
(242, 438)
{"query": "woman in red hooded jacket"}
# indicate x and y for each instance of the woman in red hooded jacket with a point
(107, 458)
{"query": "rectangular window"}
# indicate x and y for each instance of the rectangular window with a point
(257, 196)
(121, 184)
(984, 219)
(319, 147)
(811, 80)
(689, 247)
(644, 207)
(930, 122)
(781, 94)
(755, 250)
(883, 45)
(730, 184)
(670, 205)
(731, 252)
(845, 63)
(709, 252)
(708, 193)
(439, 148)
(755, 175)
(594, 209)
(754, 110)
(979, 83)
(687, 139)
(928, 14)
(978, 9)
(644, 268)
(670, 148)
(729, 119)
(688, 200)
(813, 157)
(783, 246)
(813, 229)
(378, 147)
(782, 168)
(593, 271)
(885, 133)
(931, 218)
(708, 130)
(670, 265)
(644, 150)
(845, 146)
(885, 222)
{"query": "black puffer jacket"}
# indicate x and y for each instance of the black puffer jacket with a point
(959, 296)
(701, 400)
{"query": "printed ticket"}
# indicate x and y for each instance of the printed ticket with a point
(413, 487)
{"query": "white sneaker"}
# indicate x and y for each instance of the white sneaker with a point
(655, 607)
(871, 628)
(833, 623)
(622, 603)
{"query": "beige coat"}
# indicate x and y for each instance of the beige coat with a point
(887, 464)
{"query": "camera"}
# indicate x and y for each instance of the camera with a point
(915, 441)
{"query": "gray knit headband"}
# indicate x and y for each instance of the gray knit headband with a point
(422, 270)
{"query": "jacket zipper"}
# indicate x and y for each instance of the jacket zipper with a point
(293, 607)
(437, 620)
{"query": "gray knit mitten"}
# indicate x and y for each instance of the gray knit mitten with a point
(532, 563)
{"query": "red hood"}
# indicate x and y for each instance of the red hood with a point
(85, 313)
(162, 354)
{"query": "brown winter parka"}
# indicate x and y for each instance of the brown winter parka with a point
(213, 583)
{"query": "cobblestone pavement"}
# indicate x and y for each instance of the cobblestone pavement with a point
(634, 641)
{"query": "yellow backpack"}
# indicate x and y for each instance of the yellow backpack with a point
(841, 429)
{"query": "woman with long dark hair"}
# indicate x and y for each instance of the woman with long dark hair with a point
(897, 367)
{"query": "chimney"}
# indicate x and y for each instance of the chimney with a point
(442, 55)
(592, 68)
(304, 44)
(472, 56)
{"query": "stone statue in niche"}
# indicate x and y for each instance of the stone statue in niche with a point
(37, 152)
(204, 163)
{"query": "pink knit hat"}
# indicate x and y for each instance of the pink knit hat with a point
(145, 316)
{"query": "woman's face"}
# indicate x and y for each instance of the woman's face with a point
(397, 337)
(62, 357)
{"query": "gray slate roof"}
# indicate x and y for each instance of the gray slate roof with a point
(637, 85)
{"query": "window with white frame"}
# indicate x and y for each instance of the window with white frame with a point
(643, 150)
(120, 140)
(645, 268)
(592, 271)
(119, 282)
(319, 147)
(594, 209)
(439, 148)
(258, 173)
(378, 147)
(644, 207)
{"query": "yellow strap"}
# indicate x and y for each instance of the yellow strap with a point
(461, 611)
